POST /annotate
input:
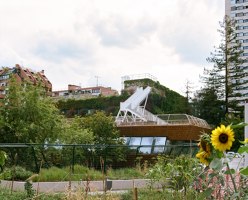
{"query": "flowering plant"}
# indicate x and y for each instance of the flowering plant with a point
(218, 173)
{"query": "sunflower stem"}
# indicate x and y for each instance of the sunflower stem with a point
(233, 181)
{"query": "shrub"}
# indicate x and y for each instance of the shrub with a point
(17, 173)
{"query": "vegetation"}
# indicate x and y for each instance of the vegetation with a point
(82, 107)
(178, 173)
(162, 100)
(63, 174)
(224, 82)
(28, 116)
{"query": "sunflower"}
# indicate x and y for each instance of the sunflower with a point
(203, 156)
(222, 138)
(204, 153)
(246, 141)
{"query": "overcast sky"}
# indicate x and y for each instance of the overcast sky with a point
(75, 41)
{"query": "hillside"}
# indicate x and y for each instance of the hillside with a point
(161, 100)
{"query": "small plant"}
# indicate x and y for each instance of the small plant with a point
(28, 186)
(176, 173)
(16, 173)
(3, 158)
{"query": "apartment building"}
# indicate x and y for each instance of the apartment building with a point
(21, 74)
(78, 92)
(238, 10)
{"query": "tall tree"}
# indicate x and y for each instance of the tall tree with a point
(28, 116)
(206, 105)
(227, 73)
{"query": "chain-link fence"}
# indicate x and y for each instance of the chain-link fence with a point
(36, 156)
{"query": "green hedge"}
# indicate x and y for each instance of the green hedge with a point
(162, 100)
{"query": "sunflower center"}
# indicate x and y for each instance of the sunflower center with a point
(223, 138)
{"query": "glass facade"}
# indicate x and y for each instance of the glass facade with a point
(147, 145)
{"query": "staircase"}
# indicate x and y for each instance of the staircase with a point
(131, 110)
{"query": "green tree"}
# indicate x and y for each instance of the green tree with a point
(28, 116)
(206, 105)
(227, 73)
(75, 134)
(105, 134)
(103, 128)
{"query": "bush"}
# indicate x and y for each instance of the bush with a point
(17, 173)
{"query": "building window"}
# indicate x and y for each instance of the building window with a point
(239, 34)
(4, 77)
(239, 14)
(239, 1)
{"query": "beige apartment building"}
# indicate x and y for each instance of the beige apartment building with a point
(238, 11)
(77, 92)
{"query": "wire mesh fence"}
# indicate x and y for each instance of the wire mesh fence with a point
(37, 156)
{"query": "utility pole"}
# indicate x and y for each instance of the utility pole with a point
(97, 77)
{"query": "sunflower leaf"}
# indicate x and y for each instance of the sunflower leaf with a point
(240, 125)
(244, 171)
(216, 164)
(243, 149)
(230, 171)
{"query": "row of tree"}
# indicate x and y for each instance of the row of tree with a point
(223, 84)
(27, 115)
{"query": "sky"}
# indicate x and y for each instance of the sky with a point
(90, 42)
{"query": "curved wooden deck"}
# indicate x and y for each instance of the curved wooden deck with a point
(171, 131)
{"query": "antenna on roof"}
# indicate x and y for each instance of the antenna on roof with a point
(97, 77)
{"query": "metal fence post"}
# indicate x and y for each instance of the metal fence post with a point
(73, 158)
(35, 160)
(105, 159)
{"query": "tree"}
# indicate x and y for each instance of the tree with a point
(227, 75)
(103, 128)
(28, 116)
(74, 134)
(206, 105)
(105, 134)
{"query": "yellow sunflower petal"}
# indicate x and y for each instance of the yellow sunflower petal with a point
(246, 141)
(222, 138)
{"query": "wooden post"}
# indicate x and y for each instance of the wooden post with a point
(135, 193)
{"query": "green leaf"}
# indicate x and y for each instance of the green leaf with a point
(240, 125)
(205, 194)
(231, 171)
(3, 157)
(216, 164)
(243, 149)
(244, 171)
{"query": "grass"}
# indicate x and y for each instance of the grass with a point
(63, 174)
(85, 173)
(125, 173)
(6, 194)
(144, 194)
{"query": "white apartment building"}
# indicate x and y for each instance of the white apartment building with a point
(238, 10)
